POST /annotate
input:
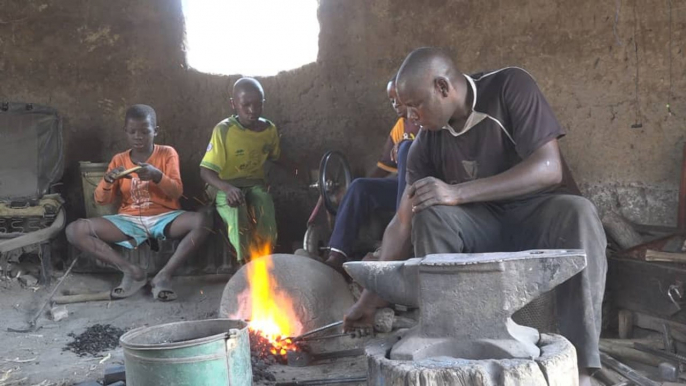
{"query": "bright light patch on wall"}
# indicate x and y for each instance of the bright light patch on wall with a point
(250, 37)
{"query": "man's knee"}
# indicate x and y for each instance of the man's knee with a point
(580, 209)
(428, 219)
(360, 186)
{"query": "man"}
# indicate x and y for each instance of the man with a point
(375, 192)
(484, 175)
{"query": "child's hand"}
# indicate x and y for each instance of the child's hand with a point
(148, 172)
(234, 196)
(109, 177)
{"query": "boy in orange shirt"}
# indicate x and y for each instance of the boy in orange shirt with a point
(149, 208)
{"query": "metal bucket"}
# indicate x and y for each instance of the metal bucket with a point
(91, 174)
(213, 352)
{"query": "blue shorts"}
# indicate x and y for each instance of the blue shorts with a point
(141, 228)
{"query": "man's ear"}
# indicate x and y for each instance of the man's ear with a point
(157, 128)
(442, 85)
(233, 106)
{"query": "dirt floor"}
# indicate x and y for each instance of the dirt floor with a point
(37, 358)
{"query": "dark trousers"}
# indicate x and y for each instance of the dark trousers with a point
(364, 196)
(541, 222)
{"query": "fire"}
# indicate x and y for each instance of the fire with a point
(272, 316)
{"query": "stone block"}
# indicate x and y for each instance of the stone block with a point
(58, 313)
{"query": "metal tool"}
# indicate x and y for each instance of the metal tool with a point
(304, 358)
(312, 332)
(668, 372)
(663, 354)
(324, 381)
(32, 322)
(675, 289)
(667, 340)
(626, 371)
(324, 337)
(126, 172)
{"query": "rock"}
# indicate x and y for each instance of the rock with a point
(114, 373)
(319, 294)
(58, 313)
(28, 280)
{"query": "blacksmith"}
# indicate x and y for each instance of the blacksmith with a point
(486, 175)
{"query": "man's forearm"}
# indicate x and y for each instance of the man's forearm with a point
(397, 243)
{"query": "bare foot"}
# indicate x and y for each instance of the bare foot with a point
(359, 316)
(336, 261)
(136, 272)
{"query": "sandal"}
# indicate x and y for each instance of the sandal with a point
(127, 287)
(163, 292)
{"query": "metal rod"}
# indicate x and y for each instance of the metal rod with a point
(660, 353)
(626, 371)
(324, 381)
(32, 322)
(316, 330)
(327, 336)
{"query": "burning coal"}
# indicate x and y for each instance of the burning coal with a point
(272, 316)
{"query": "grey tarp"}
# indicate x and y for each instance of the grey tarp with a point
(31, 157)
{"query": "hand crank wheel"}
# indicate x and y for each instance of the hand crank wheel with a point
(334, 179)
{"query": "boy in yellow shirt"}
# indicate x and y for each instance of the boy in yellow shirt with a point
(234, 165)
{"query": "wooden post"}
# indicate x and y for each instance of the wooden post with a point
(626, 324)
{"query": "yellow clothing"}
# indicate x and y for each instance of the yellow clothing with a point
(403, 130)
(398, 133)
(238, 154)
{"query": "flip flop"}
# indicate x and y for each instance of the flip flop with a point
(163, 292)
(127, 287)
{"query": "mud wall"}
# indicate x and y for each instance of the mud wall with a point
(604, 66)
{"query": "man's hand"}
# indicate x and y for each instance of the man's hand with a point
(234, 196)
(109, 177)
(148, 172)
(360, 315)
(431, 191)
(394, 153)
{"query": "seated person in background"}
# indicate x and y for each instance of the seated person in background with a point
(234, 165)
(366, 195)
(149, 209)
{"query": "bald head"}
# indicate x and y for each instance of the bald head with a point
(423, 65)
(429, 77)
(243, 85)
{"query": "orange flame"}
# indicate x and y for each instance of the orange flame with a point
(272, 314)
